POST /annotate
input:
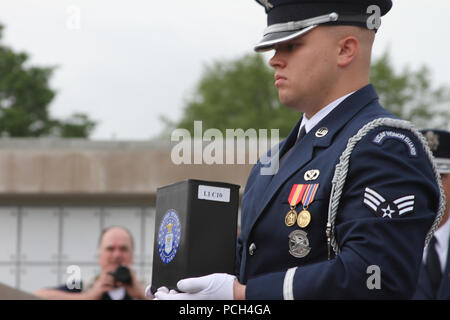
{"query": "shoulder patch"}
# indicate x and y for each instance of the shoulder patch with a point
(381, 137)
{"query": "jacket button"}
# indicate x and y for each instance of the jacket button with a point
(252, 249)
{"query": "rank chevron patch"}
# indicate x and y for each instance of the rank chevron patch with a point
(385, 208)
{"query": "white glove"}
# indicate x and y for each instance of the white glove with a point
(148, 291)
(216, 286)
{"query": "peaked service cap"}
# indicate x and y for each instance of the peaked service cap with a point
(439, 143)
(289, 19)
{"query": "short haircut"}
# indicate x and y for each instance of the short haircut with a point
(112, 227)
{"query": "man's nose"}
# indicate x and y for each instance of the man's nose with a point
(277, 60)
(117, 254)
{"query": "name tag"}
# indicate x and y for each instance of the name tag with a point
(213, 193)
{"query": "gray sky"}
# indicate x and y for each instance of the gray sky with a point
(124, 63)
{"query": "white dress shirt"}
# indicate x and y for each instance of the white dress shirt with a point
(311, 123)
(442, 236)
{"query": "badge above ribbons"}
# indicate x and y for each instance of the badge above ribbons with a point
(304, 193)
(311, 175)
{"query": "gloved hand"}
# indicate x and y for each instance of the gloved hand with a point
(216, 286)
(148, 292)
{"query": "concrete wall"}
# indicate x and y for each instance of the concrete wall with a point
(77, 169)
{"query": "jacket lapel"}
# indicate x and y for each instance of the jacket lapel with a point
(263, 181)
(303, 150)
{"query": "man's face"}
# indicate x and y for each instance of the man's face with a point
(115, 249)
(305, 69)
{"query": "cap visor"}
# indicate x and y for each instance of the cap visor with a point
(270, 39)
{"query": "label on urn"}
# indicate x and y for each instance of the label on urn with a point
(213, 193)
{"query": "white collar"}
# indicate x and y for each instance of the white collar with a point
(442, 236)
(315, 119)
(443, 233)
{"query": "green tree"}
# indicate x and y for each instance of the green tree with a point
(409, 94)
(77, 125)
(241, 94)
(238, 94)
(25, 97)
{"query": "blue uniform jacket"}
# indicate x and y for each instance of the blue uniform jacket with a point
(391, 168)
(424, 291)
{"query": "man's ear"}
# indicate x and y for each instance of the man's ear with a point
(348, 50)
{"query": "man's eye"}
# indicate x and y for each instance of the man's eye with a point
(292, 46)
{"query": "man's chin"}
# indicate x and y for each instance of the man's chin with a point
(284, 101)
(290, 104)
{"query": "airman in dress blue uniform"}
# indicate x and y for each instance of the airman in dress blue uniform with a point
(356, 195)
(434, 278)
(387, 206)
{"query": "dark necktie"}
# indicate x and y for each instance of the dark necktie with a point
(301, 134)
(287, 153)
(433, 266)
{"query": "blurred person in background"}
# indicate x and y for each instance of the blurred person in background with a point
(115, 257)
(434, 279)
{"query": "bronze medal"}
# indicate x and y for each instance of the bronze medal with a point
(304, 193)
(304, 218)
(290, 218)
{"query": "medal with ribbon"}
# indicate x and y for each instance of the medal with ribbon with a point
(295, 196)
(304, 217)
(304, 193)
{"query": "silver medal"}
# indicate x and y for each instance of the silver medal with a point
(299, 244)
